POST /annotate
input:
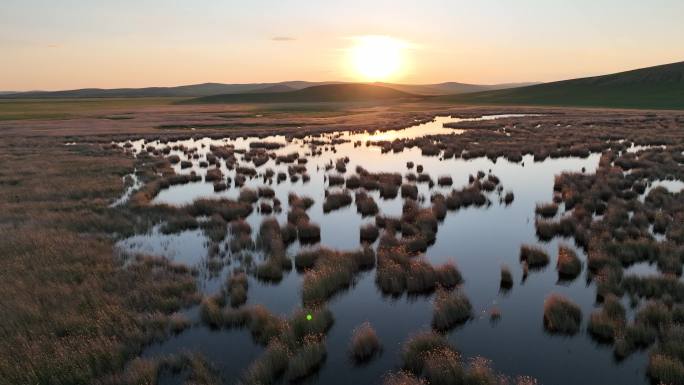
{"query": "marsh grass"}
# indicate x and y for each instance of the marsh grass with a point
(605, 323)
(307, 360)
(448, 276)
(569, 265)
(414, 350)
(547, 210)
(402, 378)
(364, 343)
(237, 289)
(269, 367)
(506, 281)
(179, 223)
(336, 200)
(561, 316)
(535, 257)
(334, 272)
(369, 233)
(450, 309)
(365, 204)
(409, 191)
(308, 232)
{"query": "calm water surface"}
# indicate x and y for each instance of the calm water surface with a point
(478, 240)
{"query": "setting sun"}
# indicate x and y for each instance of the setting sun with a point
(376, 58)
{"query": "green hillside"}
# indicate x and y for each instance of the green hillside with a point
(659, 87)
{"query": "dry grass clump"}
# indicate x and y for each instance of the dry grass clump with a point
(369, 233)
(547, 210)
(569, 265)
(336, 200)
(307, 359)
(241, 238)
(534, 256)
(414, 352)
(451, 309)
(179, 223)
(228, 209)
(604, 324)
(269, 367)
(248, 195)
(237, 289)
(335, 180)
(178, 322)
(445, 180)
(508, 197)
(365, 204)
(443, 366)
(665, 369)
(308, 232)
(402, 378)
(364, 344)
(333, 272)
(506, 282)
(303, 203)
(468, 196)
(409, 191)
(391, 277)
(265, 192)
(193, 366)
(561, 315)
(388, 191)
(213, 175)
(448, 276)
(654, 287)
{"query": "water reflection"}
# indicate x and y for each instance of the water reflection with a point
(478, 240)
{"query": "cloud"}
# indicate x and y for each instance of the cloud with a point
(283, 38)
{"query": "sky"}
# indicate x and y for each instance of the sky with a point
(67, 44)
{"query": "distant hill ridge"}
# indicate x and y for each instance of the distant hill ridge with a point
(208, 89)
(345, 92)
(658, 87)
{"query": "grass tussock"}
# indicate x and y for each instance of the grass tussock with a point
(402, 378)
(237, 289)
(506, 281)
(605, 323)
(336, 200)
(365, 204)
(369, 233)
(561, 316)
(307, 360)
(415, 349)
(450, 309)
(535, 257)
(569, 265)
(364, 344)
(547, 210)
(332, 272)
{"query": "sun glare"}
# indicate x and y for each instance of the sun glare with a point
(377, 58)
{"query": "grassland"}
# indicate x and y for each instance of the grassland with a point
(21, 109)
(78, 315)
(660, 87)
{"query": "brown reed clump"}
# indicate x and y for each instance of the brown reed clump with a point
(364, 344)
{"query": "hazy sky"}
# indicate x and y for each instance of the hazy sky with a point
(60, 44)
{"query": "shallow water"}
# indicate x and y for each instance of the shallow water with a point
(478, 240)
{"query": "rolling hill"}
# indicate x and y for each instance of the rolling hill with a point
(208, 89)
(659, 87)
(450, 88)
(193, 90)
(344, 92)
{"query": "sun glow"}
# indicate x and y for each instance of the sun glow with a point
(377, 58)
